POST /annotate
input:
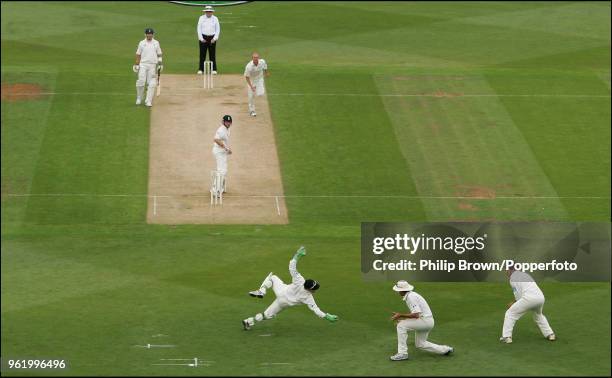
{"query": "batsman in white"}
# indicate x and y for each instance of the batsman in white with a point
(298, 292)
(221, 146)
(254, 73)
(419, 319)
(148, 56)
(528, 297)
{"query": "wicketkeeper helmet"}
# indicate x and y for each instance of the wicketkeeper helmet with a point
(311, 285)
(149, 31)
(227, 118)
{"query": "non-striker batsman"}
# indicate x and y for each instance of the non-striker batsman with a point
(148, 57)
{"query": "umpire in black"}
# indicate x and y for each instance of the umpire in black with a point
(208, 34)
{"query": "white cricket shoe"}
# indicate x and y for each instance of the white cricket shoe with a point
(399, 357)
(214, 72)
(551, 337)
(148, 104)
(257, 293)
(451, 350)
(253, 114)
(506, 340)
(200, 72)
(138, 101)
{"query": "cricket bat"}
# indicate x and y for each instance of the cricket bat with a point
(158, 81)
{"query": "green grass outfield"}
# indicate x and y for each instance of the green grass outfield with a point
(520, 108)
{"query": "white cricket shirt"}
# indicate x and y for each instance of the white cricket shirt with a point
(149, 51)
(416, 303)
(255, 72)
(524, 286)
(296, 293)
(222, 133)
(209, 26)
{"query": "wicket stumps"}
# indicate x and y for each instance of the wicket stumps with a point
(208, 75)
(217, 187)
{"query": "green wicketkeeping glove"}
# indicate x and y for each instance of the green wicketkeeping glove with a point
(300, 252)
(331, 318)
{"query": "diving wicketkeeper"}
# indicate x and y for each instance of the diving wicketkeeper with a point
(298, 292)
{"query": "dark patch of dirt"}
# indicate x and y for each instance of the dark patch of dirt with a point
(20, 92)
(477, 192)
(467, 206)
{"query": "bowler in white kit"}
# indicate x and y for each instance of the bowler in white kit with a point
(298, 292)
(419, 319)
(528, 297)
(148, 57)
(254, 73)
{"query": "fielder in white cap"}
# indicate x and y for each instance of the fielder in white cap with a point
(300, 291)
(419, 319)
(528, 297)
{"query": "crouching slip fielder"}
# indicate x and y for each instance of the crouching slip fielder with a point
(298, 292)
(528, 297)
(419, 319)
(148, 57)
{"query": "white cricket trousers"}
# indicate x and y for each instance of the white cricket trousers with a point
(279, 303)
(421, 328)
(147, 74)
(519, 308)
(279, 287)
(260, 90)
(221, 158)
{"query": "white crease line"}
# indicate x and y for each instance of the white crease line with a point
(304, 196)
(183, 359)
(447, 95)
(154, 205)
(277, 206)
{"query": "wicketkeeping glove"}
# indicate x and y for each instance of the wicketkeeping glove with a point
(135, 67)
(300, 252)
(331, 318)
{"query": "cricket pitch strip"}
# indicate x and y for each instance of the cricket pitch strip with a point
(184, 119)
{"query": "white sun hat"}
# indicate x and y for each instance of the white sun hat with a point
(403, 286)
(208, 8)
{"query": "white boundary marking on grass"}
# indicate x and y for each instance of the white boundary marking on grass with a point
(149, 346)
(305, 196)
(277, 206)
(275, 363)
(197, 362)
(439, 95)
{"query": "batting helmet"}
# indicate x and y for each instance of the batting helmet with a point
(227, 118)
(149, 31)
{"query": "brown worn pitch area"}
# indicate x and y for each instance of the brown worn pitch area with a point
(184, 119)
(20, 92)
